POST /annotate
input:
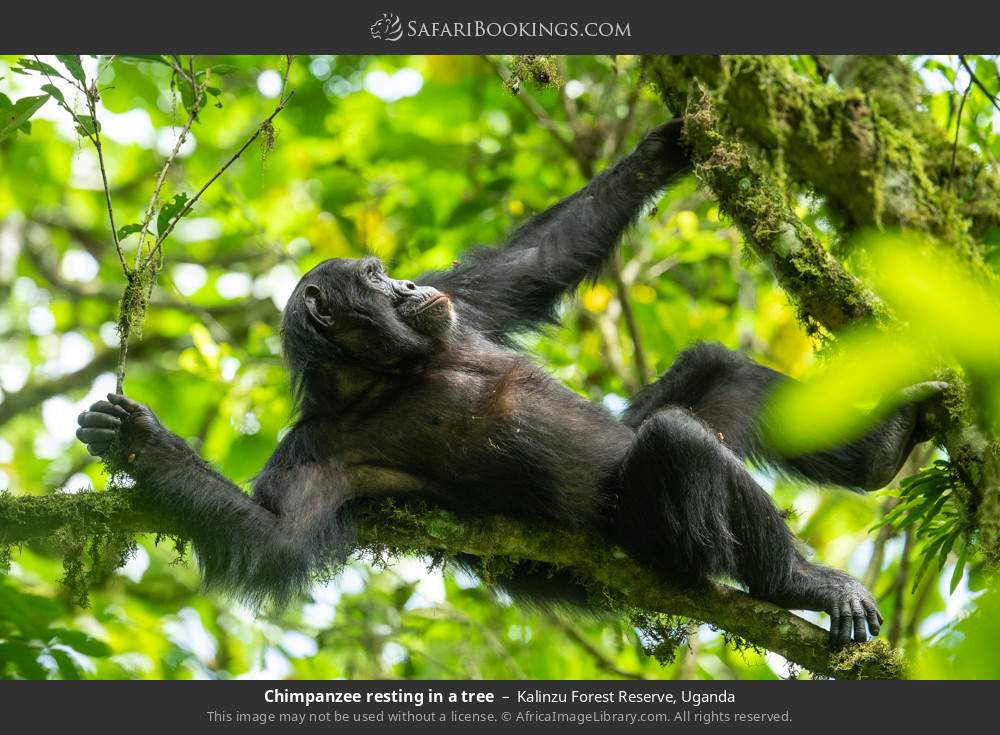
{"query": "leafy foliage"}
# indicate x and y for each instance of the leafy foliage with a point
(929, 509)
(414, 159)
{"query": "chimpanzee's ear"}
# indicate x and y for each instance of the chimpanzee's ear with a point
(318, 310)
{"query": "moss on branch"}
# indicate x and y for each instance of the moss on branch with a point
(878, 160)
(390, 530)
(826, 294)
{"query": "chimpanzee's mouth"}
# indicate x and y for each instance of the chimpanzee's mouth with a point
(433, 301)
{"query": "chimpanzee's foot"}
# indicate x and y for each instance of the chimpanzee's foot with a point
(896, 436)
(917, 395)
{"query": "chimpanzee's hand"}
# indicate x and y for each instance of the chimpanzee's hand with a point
(852, 608)
(662, 145)
(118, 425)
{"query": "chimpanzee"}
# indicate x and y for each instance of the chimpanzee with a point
(416, 389)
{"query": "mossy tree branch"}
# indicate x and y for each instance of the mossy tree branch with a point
(826, 294)
(605, 570)
(866, 147)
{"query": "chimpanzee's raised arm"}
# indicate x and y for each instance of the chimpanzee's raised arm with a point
(517, 286)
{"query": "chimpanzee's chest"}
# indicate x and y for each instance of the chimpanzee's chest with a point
(453, 422)
(511, 439)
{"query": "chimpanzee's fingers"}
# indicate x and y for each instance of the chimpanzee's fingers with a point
(846, 624)
(110, 409)
(98, 420)
(98, 450)
(127, 403)
(834, 624)
(95, 436)
(874, 618)
(860, 621)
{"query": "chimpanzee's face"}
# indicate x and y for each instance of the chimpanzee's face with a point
(376, 319)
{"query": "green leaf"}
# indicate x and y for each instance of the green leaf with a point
(926, 558)
(12, 119)
(72, 62)
(170, 210)
(187, 96)
(54, 91)
(929, 518)
(27, 65)
(215, 92)
(24, 658)
(31, 614)
(136, 58)
(86, 125)
(127, 230)
(956, 576)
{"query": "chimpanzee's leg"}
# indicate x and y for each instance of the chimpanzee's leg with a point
(727, 391)
(688, 507)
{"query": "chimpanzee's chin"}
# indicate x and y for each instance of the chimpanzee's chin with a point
(436, 319)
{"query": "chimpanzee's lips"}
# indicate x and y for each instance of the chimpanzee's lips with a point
(433, 301)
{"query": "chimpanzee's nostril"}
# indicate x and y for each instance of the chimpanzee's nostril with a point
(411, 285)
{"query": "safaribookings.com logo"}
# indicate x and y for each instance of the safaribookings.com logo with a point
(390, 28)
(387, 28)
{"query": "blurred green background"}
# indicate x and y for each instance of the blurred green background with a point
(413, 159)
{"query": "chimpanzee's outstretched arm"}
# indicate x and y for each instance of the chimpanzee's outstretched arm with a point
(261, 548)
(519, 285)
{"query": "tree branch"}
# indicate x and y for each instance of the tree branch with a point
(826, 294)
(283, 97)
(392, 530)
(877, 159)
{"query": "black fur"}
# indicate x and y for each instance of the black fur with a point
(414, 390)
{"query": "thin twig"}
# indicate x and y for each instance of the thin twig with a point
(603, 661)
(958, 129)
(148, 217)
(91, 95)
(975, 80)
(631, 325)
(896, 621)
(536, 110)
(583, 156)
(283, 100)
